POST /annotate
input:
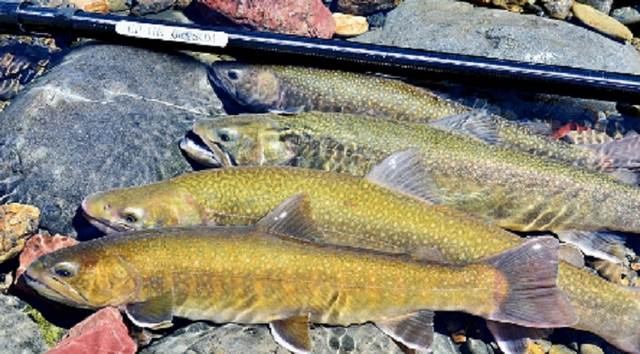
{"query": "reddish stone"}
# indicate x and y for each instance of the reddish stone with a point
(39, 245)
(309, 18)
(567, 128)
(102, 332)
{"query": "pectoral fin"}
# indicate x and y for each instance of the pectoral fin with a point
(405, 172)
(415, 330)
(601, 245)
(292, 333)
(477, 124)
(154, 313)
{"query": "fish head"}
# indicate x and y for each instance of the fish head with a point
(244, 140)
(144, 207)
(83, 276)
(255, 87)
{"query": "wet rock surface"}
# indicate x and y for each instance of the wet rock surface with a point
(108, 116)
(39, 245)
(457, 27)
(19, 334)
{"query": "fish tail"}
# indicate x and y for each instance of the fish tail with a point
(532, 297)
(618, 154)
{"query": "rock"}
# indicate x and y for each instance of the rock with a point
(19, 334)
(102, 332)
(145, 7)
(202, 337)
(560, 349)
(628, 16)
(309, 18)
(457, 27)
(587, 137)
(615, 273)
(588, 348)
(99, 6)
(475, 346)
(6, 279)
(601, 22)
(348, 25)
(39, 245)
(103, 118)
(603, 6)
(365, 7)
(17, 223)
(558, 9)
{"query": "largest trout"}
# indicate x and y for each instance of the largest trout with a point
(268, 273)
(511, 189)
(357, 212)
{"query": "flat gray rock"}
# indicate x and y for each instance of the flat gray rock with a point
(18, 333)
(459, 27)
(107, 116)
(204, 338)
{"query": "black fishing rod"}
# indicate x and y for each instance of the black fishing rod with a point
(25, 18)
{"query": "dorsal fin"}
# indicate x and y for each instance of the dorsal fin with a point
(405, 172)
(292, 219)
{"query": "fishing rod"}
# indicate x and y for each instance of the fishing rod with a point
(25, 18)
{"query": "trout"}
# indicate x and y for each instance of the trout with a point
(269, 273)
(514, 190)
(369, 212)
(264, 88)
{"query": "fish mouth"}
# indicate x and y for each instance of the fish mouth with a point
(102, 224)
(45, 290)
(210, 155)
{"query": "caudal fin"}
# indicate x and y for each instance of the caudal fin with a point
(533, 298)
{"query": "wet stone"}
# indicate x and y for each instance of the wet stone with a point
(102, 119)
(349, 25)
(628, 16)
(365, 7)
(458, 27)
(19, 334)
(17, 223)
(475, 346)
(558, 9)
(601, 22)
(560, 349)
(603, 6)
(588, 348)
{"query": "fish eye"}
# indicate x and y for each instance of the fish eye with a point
(65, 269)
(130, 218)
(131, 215)
(224, 137)
(227, 134)
(234, 75)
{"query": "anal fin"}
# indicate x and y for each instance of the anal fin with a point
(415, 330)
(292, 333)
(153, 313)
(601, 245)
(514, 339)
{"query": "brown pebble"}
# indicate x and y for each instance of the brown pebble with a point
(613, 272)
(17, 223)
(560, 349)
(601, 22)
(533, 348)
(349, 25)
(588, 348)
(635, 266)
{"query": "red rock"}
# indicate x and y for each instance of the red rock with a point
(309, 18)
(102, 332)
(39, 245)
(567, 128)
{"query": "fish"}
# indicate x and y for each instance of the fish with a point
(261, 88)
(388, 211)
(514, 190)
(270, 274)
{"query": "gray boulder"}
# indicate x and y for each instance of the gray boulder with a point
(459, 27)
(18, 333)
(107, 116)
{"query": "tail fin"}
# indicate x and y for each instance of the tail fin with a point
(533, 298)
(618, 154)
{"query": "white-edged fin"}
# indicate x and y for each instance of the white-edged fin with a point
(405, 172)
(601, 245)
(514, 339)
(292, 219)
(415, 330)
(623, 153)
(477, 124)
(154, 313)
(572, 255)
(533, 298)
(292, 333)
(288, 111)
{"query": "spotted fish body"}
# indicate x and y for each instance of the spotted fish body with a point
(355, 212)
(511, 189)
(265, 274)
(262, 88)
